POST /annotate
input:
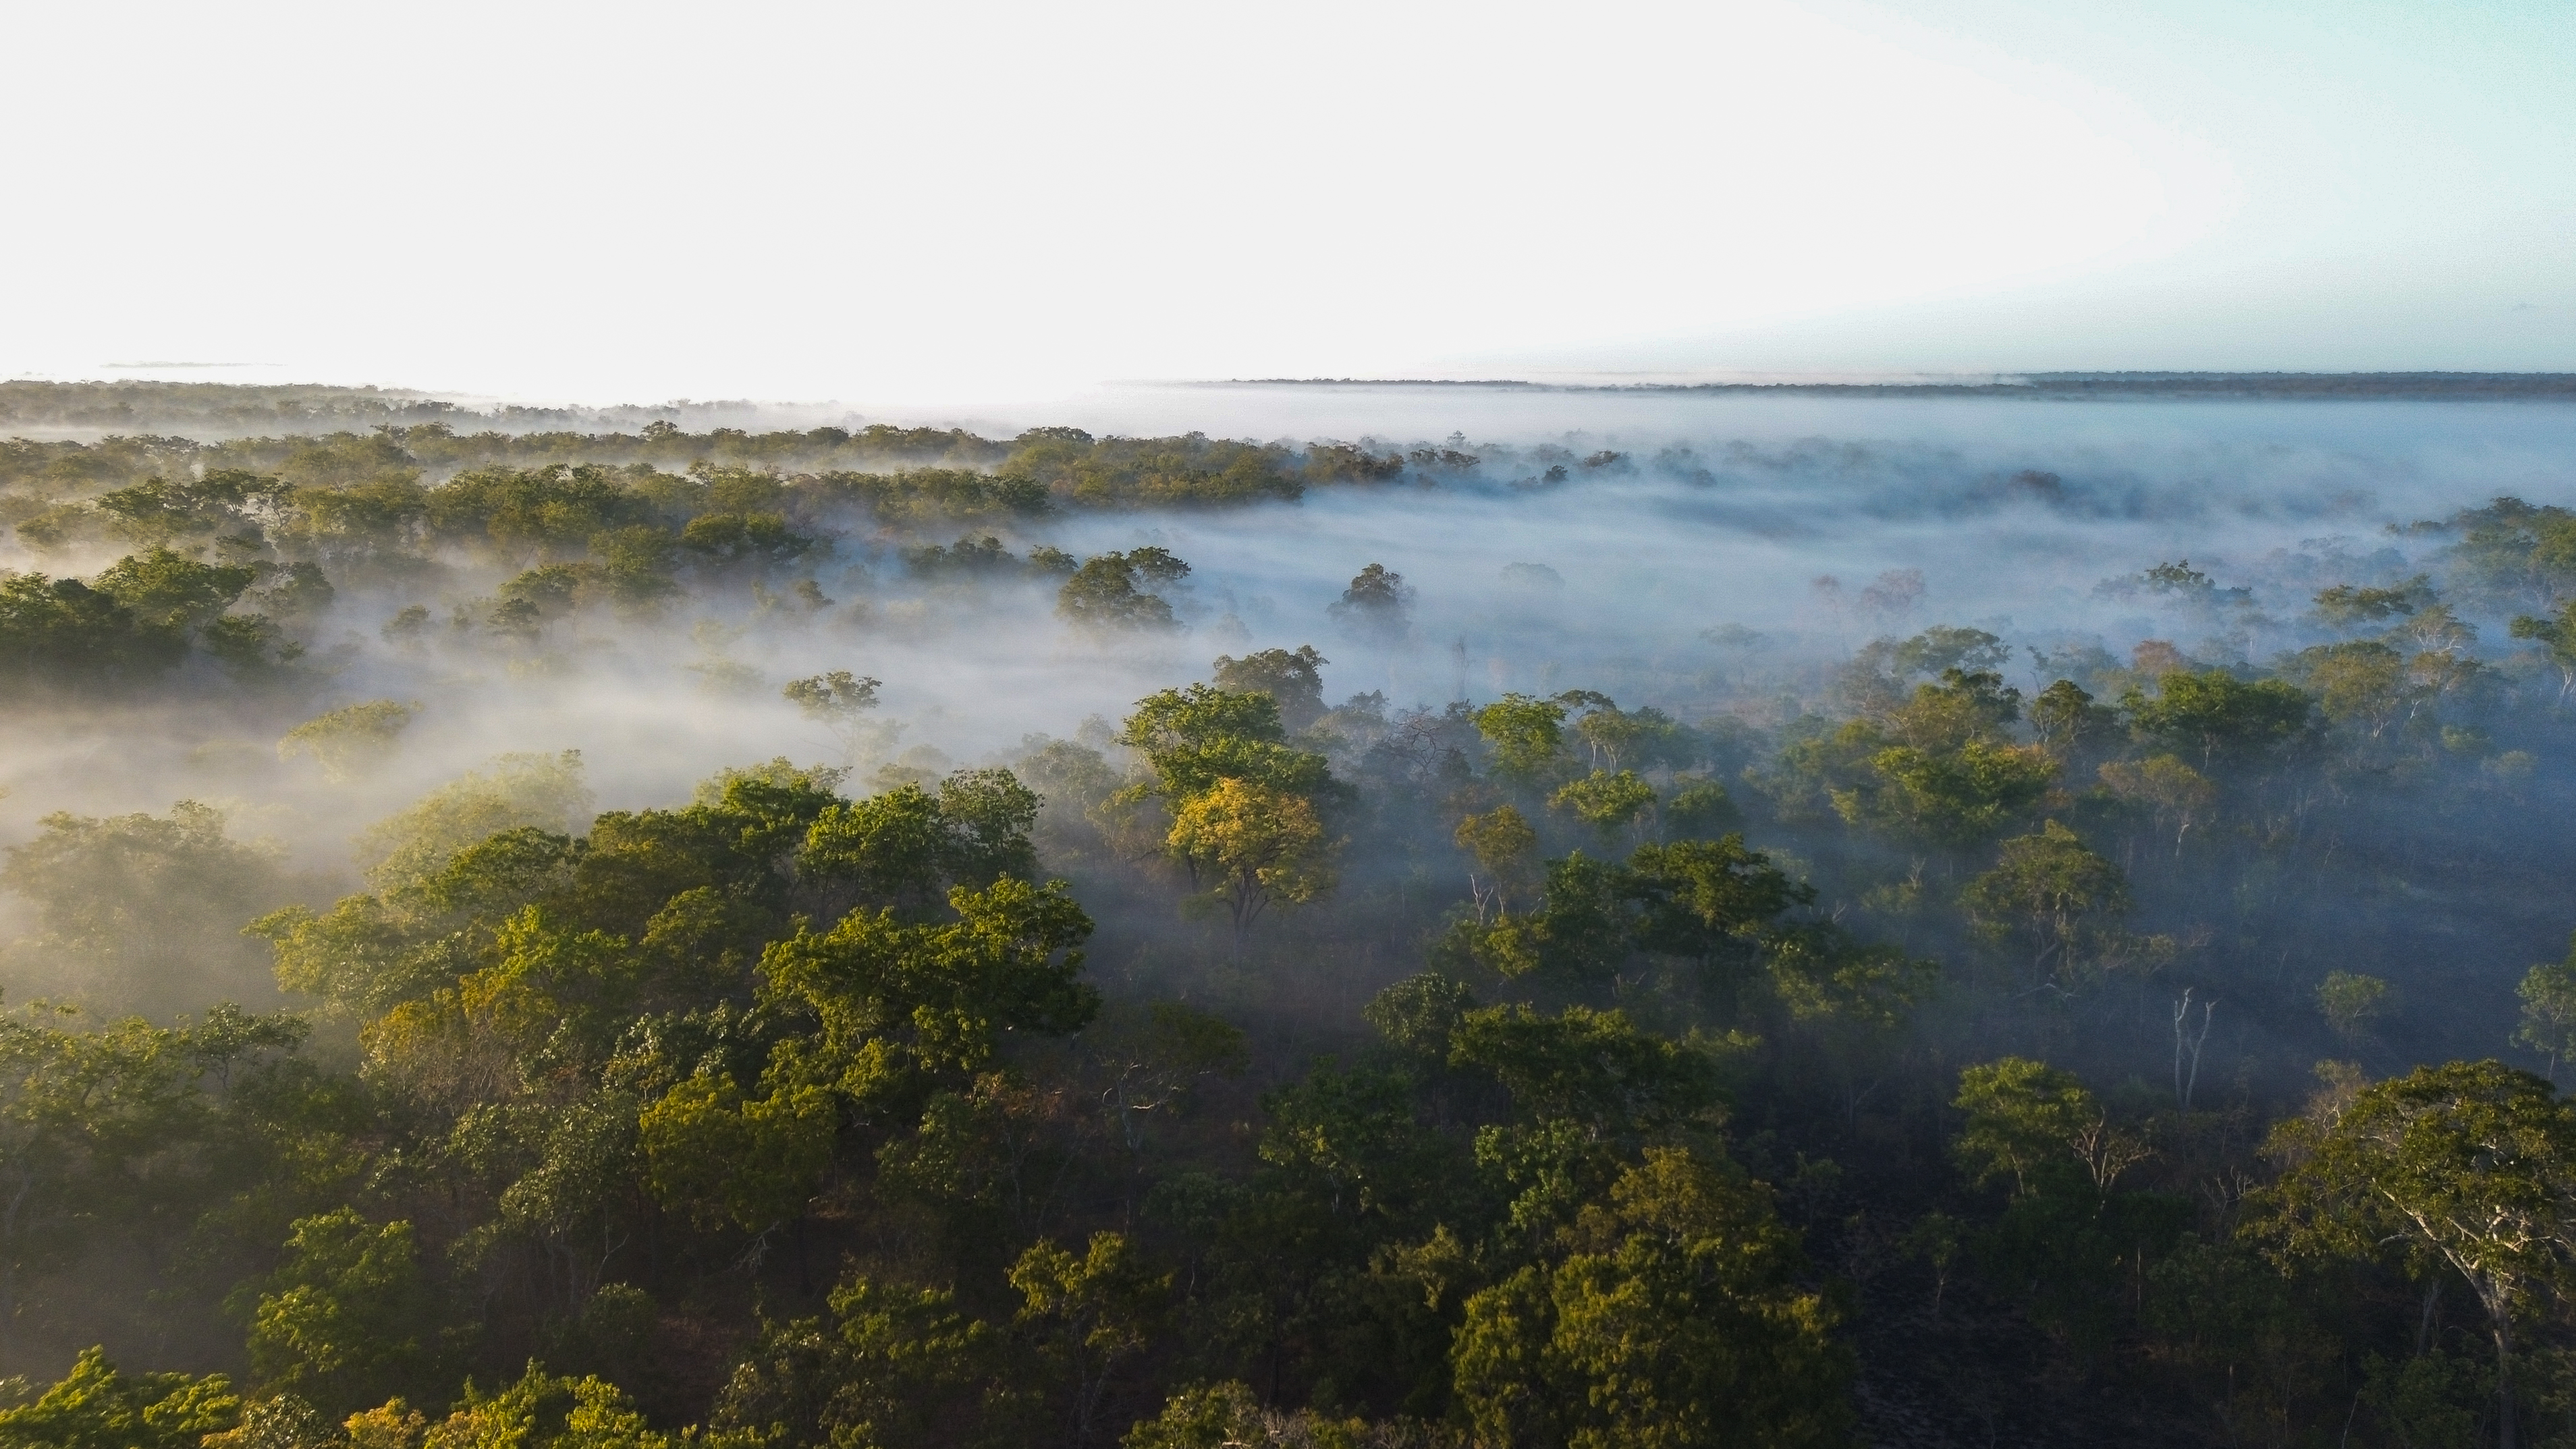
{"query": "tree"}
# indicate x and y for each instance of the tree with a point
(632, 566)
(720, 1159)
(989, 815)
(1197, 736)
(844, 703)
(539, 1411)
(95, 1407)
(172, 593)
(2467, 1166)
(2548, 993)
(1262, 845)
(79, 1112)
(2067, 720)
(1606, 802)
(893, 849)
(346, 1322)
(1292, 678)
(2556, 636)
(1378, 606)
(2178, 794)
(349, 738)
(1110, 593)
(1094, 1311)
(1703, 899)
(2051, 888)
(1629, 737)
(1678, 1320)
(2041, 1128)
(896, 1002)
(2360, 684)
(1503, 844)
(2350, 1002)
(545, 791)
(897, 1367)
(744, 542)
(61, 634)
(2346, 606)
(147, 908)
(1597, 1069)
(1956, 799)
(1526, 735)
(1700, 810)
(2218, 716)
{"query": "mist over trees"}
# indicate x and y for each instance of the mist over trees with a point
(875, 935)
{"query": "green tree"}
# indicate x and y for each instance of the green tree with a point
(1504, 846)
(348, 739)
(1261, 846)
(896, 1367)
(2041, 1128)
(2066, 719)
(2219, 717)
(1197, 736)
(2346, 606)
(1700, 810)
(1111, 592)
(143, 910)
(2548, 993)
(2468, 1167)
(1378, 606)
(2350, 1002)
(2051, 889)
(61, 634)
(346, 1321)
(95, 1407)
(1606, 802)
(174, 593)
(2180, 796)
(1526, 736)
(719, 1159)
(1292, 678)
(893, 1000)
(1955, 799)
(1093, 1311)
(539, 1411)
(545, 791)
(2556, 636)
(1706, 900)
(1678, 1320)
(906, 846)
(744, 543)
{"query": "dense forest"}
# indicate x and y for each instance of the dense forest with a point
(1910, 1027)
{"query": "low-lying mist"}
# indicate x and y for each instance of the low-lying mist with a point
(1607, 577)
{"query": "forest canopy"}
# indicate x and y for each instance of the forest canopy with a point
(1399, 1009)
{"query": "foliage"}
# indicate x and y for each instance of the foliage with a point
(141, 906)
(2051, 890)
(2219, 717)
(95, 1407)
(1112, 592)
(346, 740)
(348, 1320)
(1292, 678)
(1261, 846)
(2350, 1001)
(619, 1089)
(1676, 1320)
(2465, 1166)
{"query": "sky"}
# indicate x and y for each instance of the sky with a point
(980, 201)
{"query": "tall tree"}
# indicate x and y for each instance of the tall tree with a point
(2467, 1167)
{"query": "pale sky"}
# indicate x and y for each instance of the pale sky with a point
(989, 201)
